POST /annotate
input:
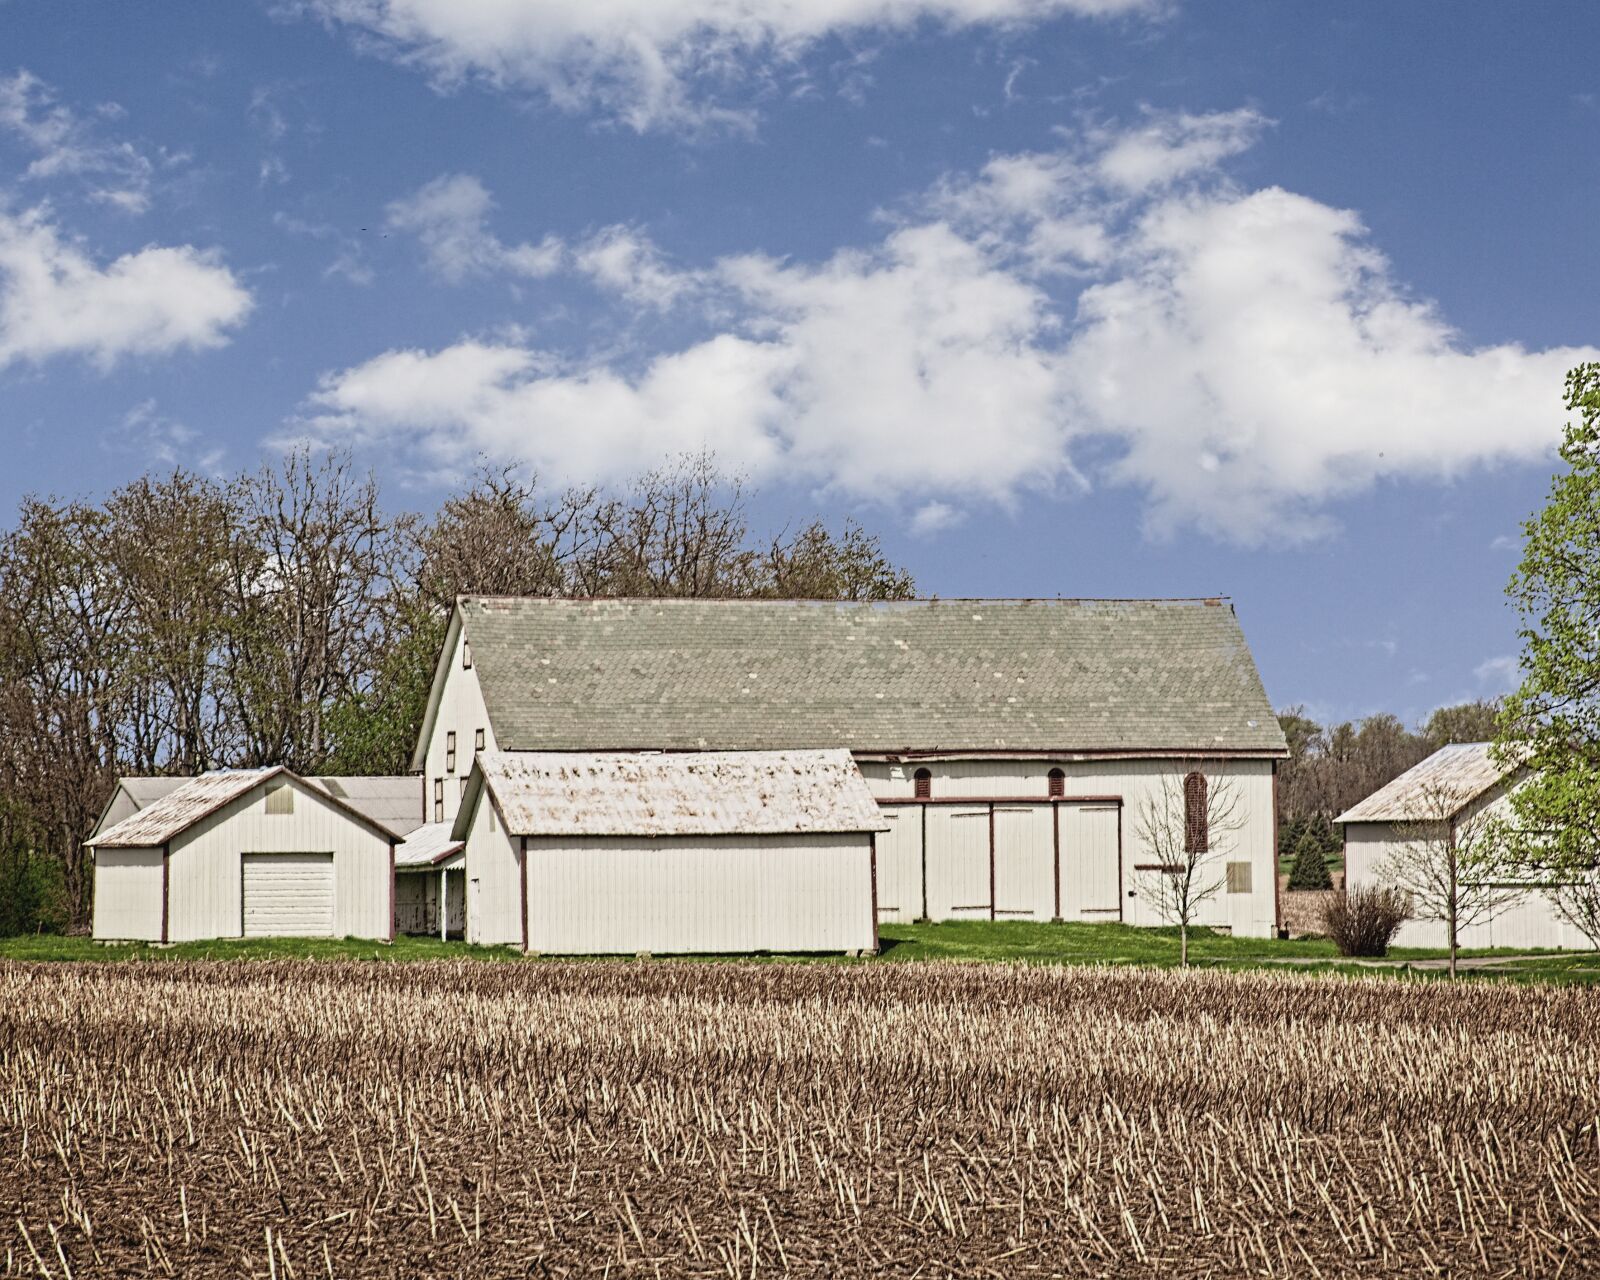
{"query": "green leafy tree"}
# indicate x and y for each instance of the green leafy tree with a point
(1551, 724)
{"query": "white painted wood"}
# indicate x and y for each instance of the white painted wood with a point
(206, 886)
(1091, 883)
(462, 712)
(288, 895)
(900, 865)
(958, 862)
(1024, 862)
(677, 895)
(127, 894)
(494, 879)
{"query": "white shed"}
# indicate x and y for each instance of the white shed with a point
(244, 853)
(1454, 785)
(693, 852)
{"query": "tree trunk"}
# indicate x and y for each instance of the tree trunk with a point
(1454, 892)
(1183, 944)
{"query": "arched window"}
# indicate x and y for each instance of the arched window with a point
(1196, 824)
(1058, 784)
(924, 783)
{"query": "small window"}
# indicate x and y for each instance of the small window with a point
(464, 788)
(1196, 822)
(477, 740)
(1058, 784)
(438, 799)
(491, 817)
(450, 752)
(924, 784)
(1239, 877)
(280, 798)
(466, 656)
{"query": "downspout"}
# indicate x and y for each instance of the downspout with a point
(1055, 840)
(924, 819)
(391, 888)
(1277, 905)
(872, 851)
(524, 895)
(166, 889)
(991, 862)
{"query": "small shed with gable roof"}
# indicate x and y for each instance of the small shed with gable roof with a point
(242, 853)
(689, 852)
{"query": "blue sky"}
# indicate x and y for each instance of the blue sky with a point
(1078, 297)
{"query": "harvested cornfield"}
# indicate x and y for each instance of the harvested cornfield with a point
(301, 1120)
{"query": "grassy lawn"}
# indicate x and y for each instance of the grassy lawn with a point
(968, 940)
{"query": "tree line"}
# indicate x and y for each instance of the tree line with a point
(286, 616)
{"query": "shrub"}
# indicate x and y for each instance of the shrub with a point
(1362, 921)
(1310, 869)
(33, 897)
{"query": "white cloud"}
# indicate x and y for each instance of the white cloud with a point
(154, 436)
(450, 216)
(1501, 675)
(55, 300)
(653, 62)
(1241, 358)
(64, 145)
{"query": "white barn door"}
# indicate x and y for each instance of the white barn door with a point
(1091, 862)
(288, 895)
(1024, 862)
(958, 862)
(900, 864)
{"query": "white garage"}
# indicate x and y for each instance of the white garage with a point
(692, 852)
(245, 853)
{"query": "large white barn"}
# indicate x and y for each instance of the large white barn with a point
(1011, 745)
(1457, 788)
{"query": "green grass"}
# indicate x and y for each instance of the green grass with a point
(967, 940)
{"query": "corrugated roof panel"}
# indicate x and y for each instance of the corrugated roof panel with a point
(926, 675)
(181, 808)
(1441, 786)
(394, 801)
(690, 793)
(426, 846)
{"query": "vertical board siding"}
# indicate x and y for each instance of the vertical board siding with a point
(462, 712)
(1534, 922)
(1024, 862)
(207, 888)
(956, 887)
(127, 894)
(1092, 881)
(900, 865)
(494, 879)
(680, 895)
(958, 862)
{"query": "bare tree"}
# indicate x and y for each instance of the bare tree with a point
(1449, 863)
(1188, 825)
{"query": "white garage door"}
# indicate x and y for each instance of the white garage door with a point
(288, 895)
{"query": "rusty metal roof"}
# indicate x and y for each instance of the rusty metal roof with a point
(182, 807)
(744, 793)
(1437, 789)
(197, 798)
(427, 846)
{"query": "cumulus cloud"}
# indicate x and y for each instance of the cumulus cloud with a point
(65, 144)
(450, 216)
(653, 62)
(1115, 312)
(56, 300)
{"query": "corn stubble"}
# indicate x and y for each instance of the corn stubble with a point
(294, 1120)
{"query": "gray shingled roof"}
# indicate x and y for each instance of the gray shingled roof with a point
(907, 676)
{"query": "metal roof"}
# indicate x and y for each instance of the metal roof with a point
(1437, 789)
(396, 802)
(880, 677)
(743, 793)
(427, 846)
(182, 807)
(197, 798)
(146, 791)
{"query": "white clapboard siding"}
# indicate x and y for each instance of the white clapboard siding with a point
(900, 865)
(288, 895)
(698, 894)
(1024, 862)
(1091, 882)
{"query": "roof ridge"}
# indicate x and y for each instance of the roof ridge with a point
(823, 600)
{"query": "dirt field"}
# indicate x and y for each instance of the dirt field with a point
(297, 1120)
